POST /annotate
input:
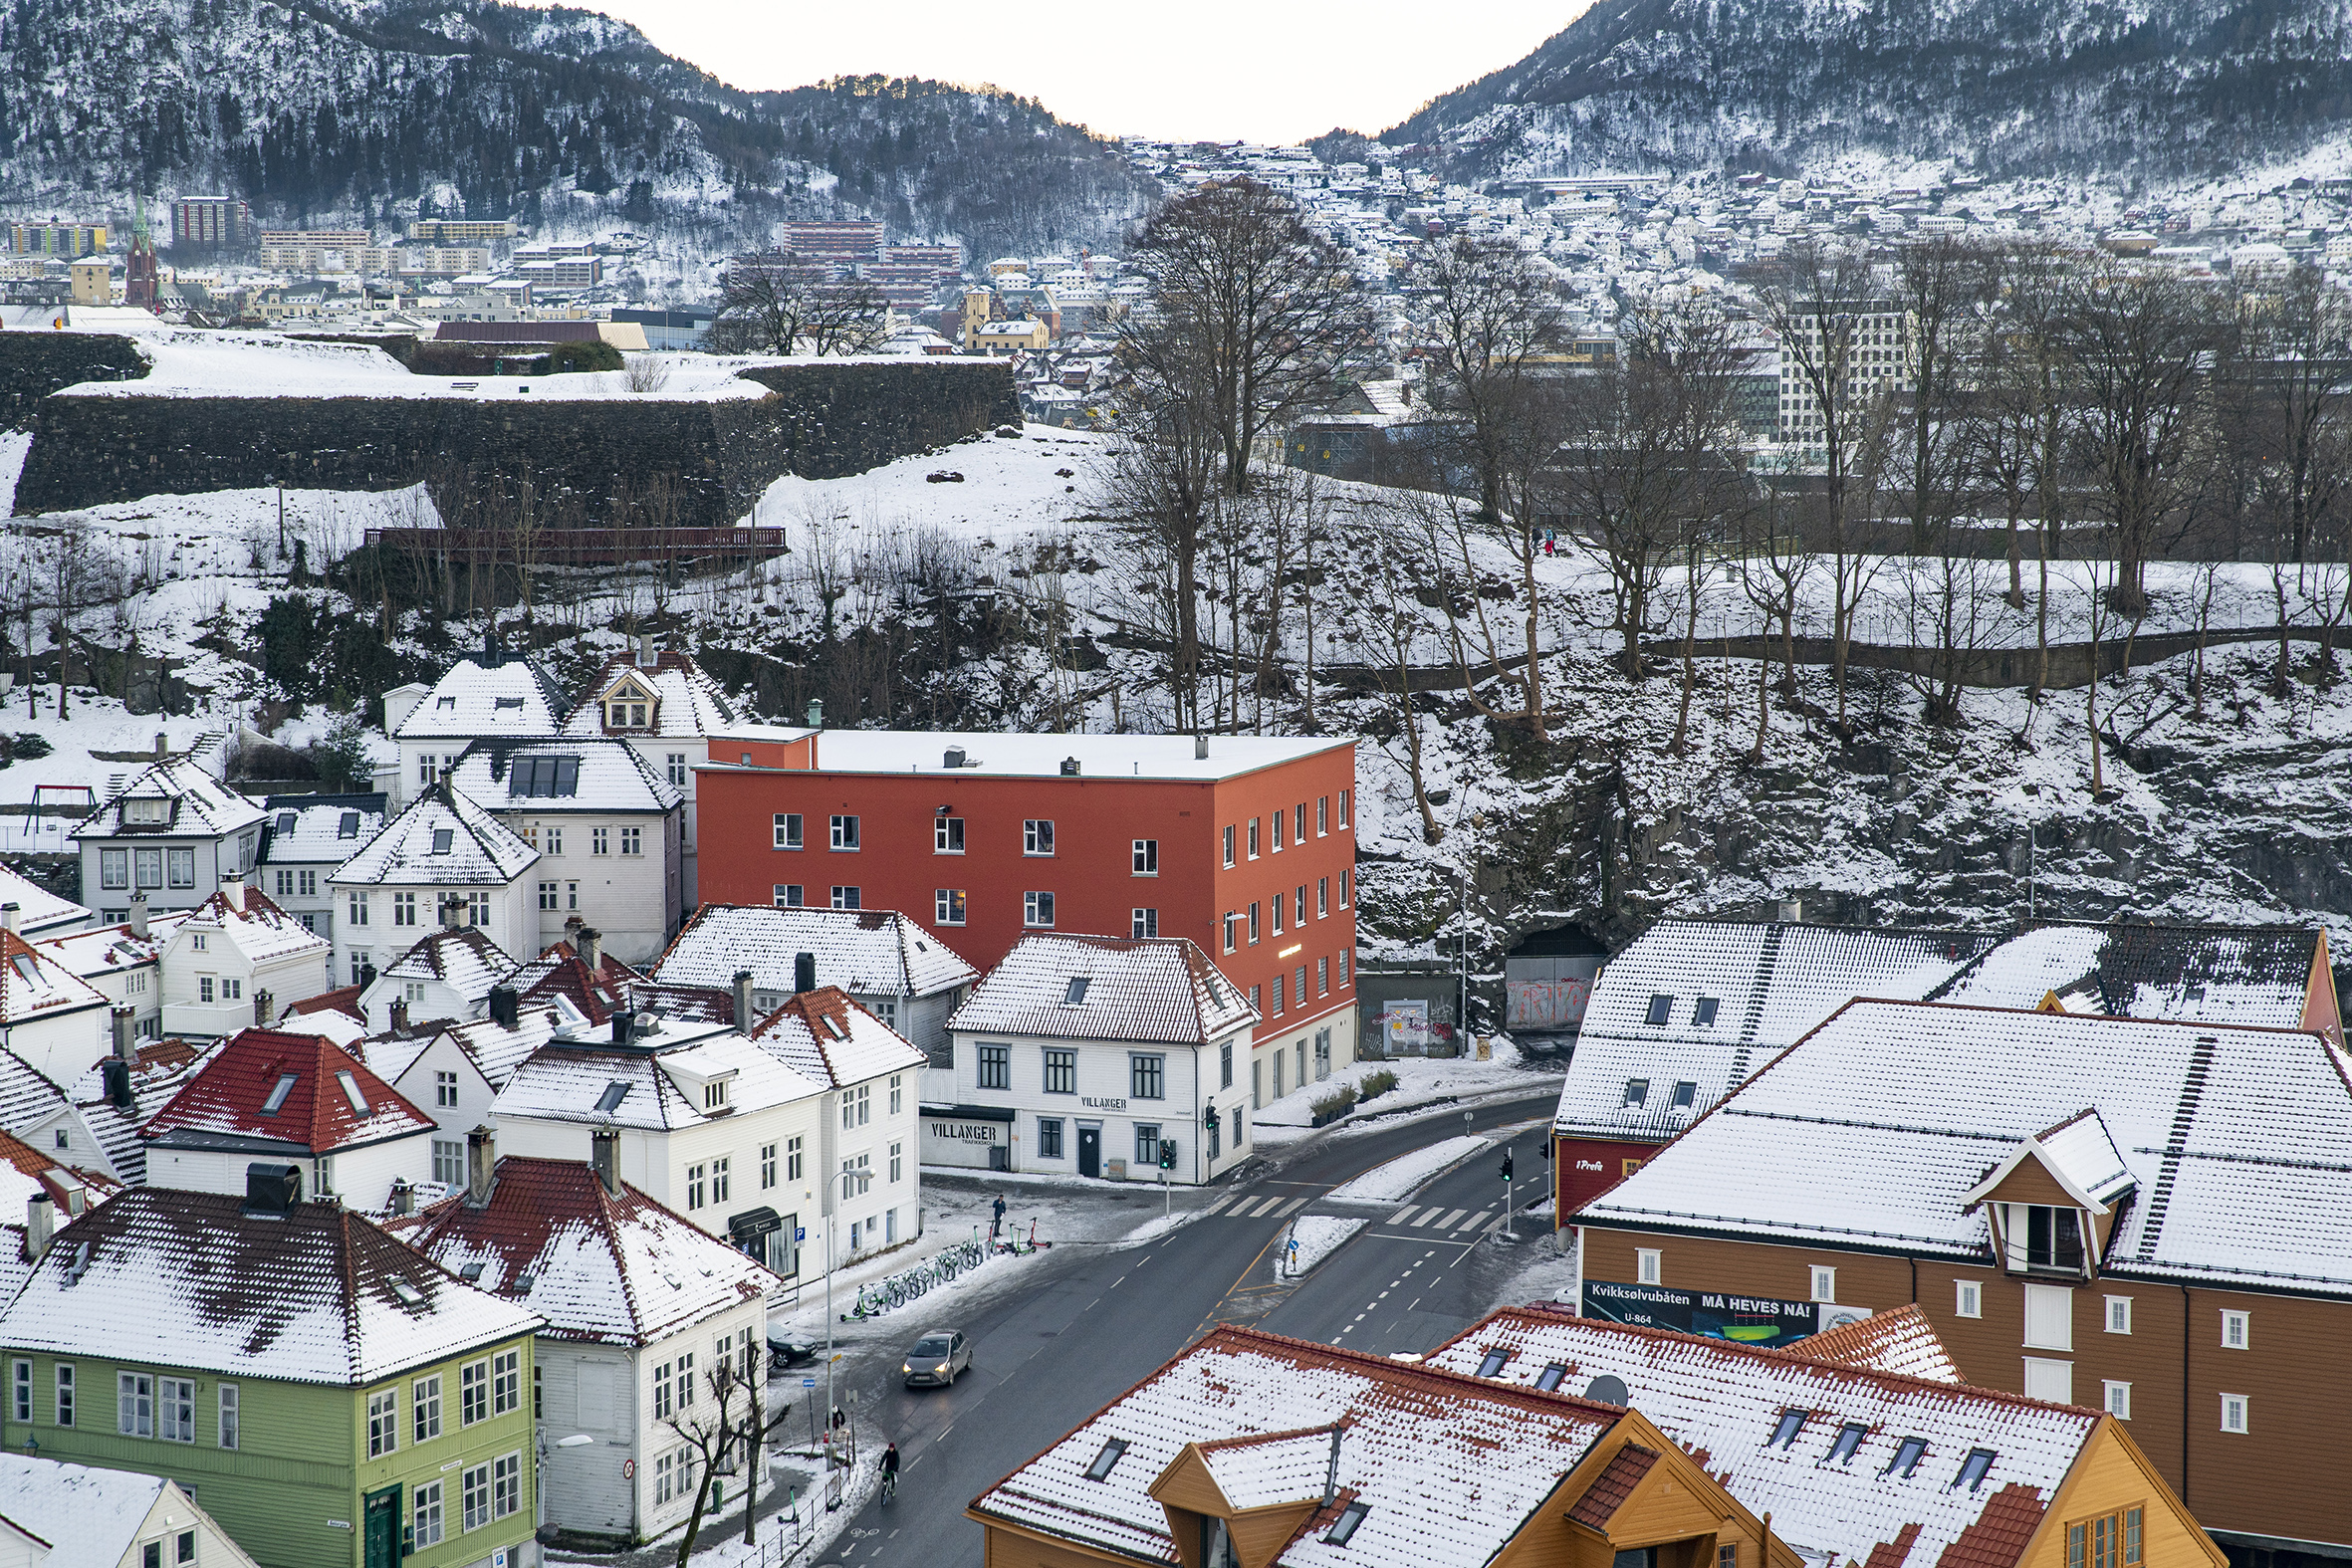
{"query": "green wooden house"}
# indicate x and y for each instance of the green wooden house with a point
(329, 1395)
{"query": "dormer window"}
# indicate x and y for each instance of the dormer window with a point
(714, 1095)
(145, 812)
(629, 707)
(2042, 1237)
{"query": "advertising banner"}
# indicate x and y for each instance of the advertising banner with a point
(1747, 1320)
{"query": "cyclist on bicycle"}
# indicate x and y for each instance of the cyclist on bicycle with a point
(891, 1469)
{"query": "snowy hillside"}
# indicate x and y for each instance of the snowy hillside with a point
(339, 111)
(2153, 91)
(996, 598)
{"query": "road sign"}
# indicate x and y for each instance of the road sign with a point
(800, 1232)
(808, 1383)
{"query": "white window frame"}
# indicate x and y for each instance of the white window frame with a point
(1146, 857)
(2236, 1416)
(2116, 1399)
(2119, 1314)
(1967, 1298)
(841, 832)
(1824, 1283)
(1649, 1266)
(2237, 1329)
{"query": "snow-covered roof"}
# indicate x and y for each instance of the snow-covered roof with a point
(463, 958)
(2260, 974)
(2078, 1154)
(556, 775)
(685, 701)
(867, 952)
(826, 1037)
(631, 1086)
(243, 914)
(441, 839)
(157, 1071)
(1900, 1340)
(1729, 996)
(1041, 755)
(494, 695)
(1450, 1467)
(109, 950)
(611, 1267)
(1728, 1400)
(496, 1050)
(34, 985)
(38, 912)
(318, 829)
(317, 1294)
(269, 1090)
(2242, 1137)
(89, 1517)
(1159, 989)
(594, 995)
(195, 804)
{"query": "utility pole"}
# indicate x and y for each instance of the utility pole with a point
(842, 1179)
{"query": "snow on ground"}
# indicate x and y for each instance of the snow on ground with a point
(1315, 1237)
(14, 444)
(1397, 1180)
(193, 362)
(1421, 1081)
(1011, 489)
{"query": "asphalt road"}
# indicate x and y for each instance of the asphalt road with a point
(1097, 1320)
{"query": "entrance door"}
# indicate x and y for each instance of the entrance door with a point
(382, 1527)
(1090, 1150)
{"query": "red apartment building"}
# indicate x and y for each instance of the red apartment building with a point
(1244, 844)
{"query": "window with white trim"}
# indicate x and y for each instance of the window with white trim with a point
(2237, 1329)
(1648, 1265)
(2233, 1413)
(2117, 1399)
(1824, 1283)
(1969, 1298)
(2119, 1314)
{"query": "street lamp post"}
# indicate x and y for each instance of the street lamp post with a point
(842, 1179)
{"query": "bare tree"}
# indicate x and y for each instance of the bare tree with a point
(1249, 316)
(2289, 395)
(1495, 316)
(2139, 345)
(780, 302)
(1390, 630)
(725, 1431)
(1840, 359)
(1160, 491)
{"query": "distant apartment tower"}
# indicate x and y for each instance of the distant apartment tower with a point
(947, 261)
(462, 231)
(855, 241)
(57, 238)
(1857, 352)
(211, 220)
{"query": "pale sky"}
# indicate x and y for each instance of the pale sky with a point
(1275, 70)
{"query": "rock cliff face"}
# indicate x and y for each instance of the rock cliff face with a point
(1998, 87)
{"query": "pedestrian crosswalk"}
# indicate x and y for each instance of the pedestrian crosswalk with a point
(1247, 1204)
(1440, 1219)
(1252, 1206)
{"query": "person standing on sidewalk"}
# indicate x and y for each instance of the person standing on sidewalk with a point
(996, 1222)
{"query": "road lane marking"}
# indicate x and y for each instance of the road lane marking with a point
(1293, 1203)
(1405, 1215)
(1447, 1224)
(1218, 1204)
(1484, 1216)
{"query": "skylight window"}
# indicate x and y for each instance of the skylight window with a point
(1908, 1453)
(614, 1093)
(472, 1273)
(1493, 1362)
(284, 821)
(1849, 1442)
(1343, 1527)
(1793, 1422)
(545, 776)
(523, 1283)
(832, 1027)
(1548, 1379)
(1686, 1094)
(278, 1092)
(30, 972)
(499, 703)
(443, 837)
(444, 704)
(407, 1295)
(1100, 1468)
(1703, 1011)
(351, 1091)
(1661, 1009)
(1974, 1469)
(1637, 1091)
(1078, 989)
(347, 825)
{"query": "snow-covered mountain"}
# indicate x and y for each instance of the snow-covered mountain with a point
(326, 110)
(2148, 88)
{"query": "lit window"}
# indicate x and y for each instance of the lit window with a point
(947, 906)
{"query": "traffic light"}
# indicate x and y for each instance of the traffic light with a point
(1506, 1165)
(1167, 1154)
(1209, 1119)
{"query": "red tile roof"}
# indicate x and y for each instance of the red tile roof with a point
(2001, 1533)
(229, 1094)
(561, 972)
(1610, 1489)
(344, 1001)
(1890, 1554)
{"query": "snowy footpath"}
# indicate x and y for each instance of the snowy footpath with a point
(1400, 1177)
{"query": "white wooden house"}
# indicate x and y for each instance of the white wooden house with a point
(235, 958)
(443, 852)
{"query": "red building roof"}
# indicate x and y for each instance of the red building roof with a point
(302, 1091)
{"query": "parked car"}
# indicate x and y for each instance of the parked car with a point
(782, 1353)
(936, 1359)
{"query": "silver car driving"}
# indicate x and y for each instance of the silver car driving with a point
(938, 1356)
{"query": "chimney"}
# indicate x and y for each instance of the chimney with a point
(39, 1226)
(400, 1012)
(272, 1189)
(625, 1022)
(367, 973)
(648, 653)
(452, 909)
(952, 758)
(265, 1008)
(1069, 767)
(125, 1035)
(803, 971)
(232, 891)
(114, 1073)
(506, 1009)
(9, 913)
(1791, 912)
(404, 1196)
(590, 943)
(816, 713)
(1200, 748)
(481, 1167)
(138, 916)
(605, 1158)
(163, 746)
(743, 998)
(1332, 1472)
